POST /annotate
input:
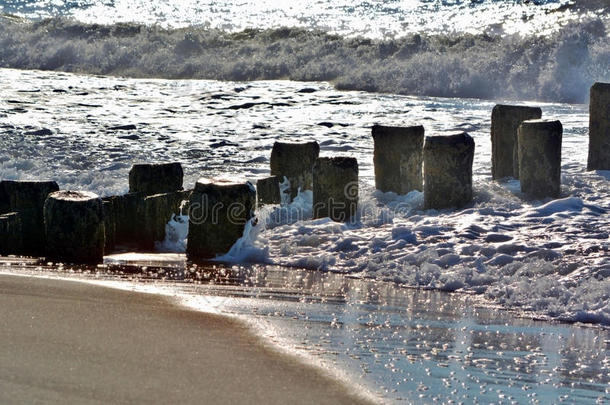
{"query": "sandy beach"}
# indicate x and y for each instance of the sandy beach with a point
(70, 342)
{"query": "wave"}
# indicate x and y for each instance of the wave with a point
(558, 68)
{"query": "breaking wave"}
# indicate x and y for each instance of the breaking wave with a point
(560, 67)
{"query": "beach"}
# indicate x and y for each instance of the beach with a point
(547, 258)
(483, 280)
(267, 334)
(71, 342)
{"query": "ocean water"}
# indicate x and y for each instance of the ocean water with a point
(547, 50)
(213, 85)
(390, 344)
(370, 19)
(549, 257)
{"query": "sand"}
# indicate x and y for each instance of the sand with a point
(71, 342)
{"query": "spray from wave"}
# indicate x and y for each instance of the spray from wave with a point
(560, 67)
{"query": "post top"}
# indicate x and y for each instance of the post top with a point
(205, 184)
(601, 86)
(268, 178)
(157, 165)
(344, 162)
(542, 123)
(381, 130)
(517, 107)
(69, 195)
(308, 150)
(450, 139)
(282, 143)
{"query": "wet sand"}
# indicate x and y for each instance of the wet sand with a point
(70, 342)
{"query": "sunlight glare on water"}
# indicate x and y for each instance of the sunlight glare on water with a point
(548, 257)
(423, 346)
(350, 310)
(388, 18)
(401, 345)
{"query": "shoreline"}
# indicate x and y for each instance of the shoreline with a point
(121, 346)
(315, 328)
(146, 260)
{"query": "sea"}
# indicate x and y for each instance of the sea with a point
(506, 300)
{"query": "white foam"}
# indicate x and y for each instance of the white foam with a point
(560, 67)
(176, 234)
(250, 248)
(285, 191)
(564, 205)
(496, 246)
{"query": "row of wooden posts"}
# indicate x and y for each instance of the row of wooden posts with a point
(37, 219)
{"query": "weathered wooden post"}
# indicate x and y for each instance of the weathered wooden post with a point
(398, 157)
(540, 158)
(505, 121)
(128, 210)
(268, 191)
(74, 222)
(150, 179)
(108, 204)
(294, 161)
(335, 188)
(448, 171)
(5, 202)
(218, 213)
(27, 198)
(158, 210)
(137, 220)
(11, 234)
(599, 127)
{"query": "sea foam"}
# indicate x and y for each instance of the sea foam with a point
(560, 66)
(499, 246)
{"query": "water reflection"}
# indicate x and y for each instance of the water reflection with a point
(404, 344)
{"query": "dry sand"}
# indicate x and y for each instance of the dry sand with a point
(70, 342)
